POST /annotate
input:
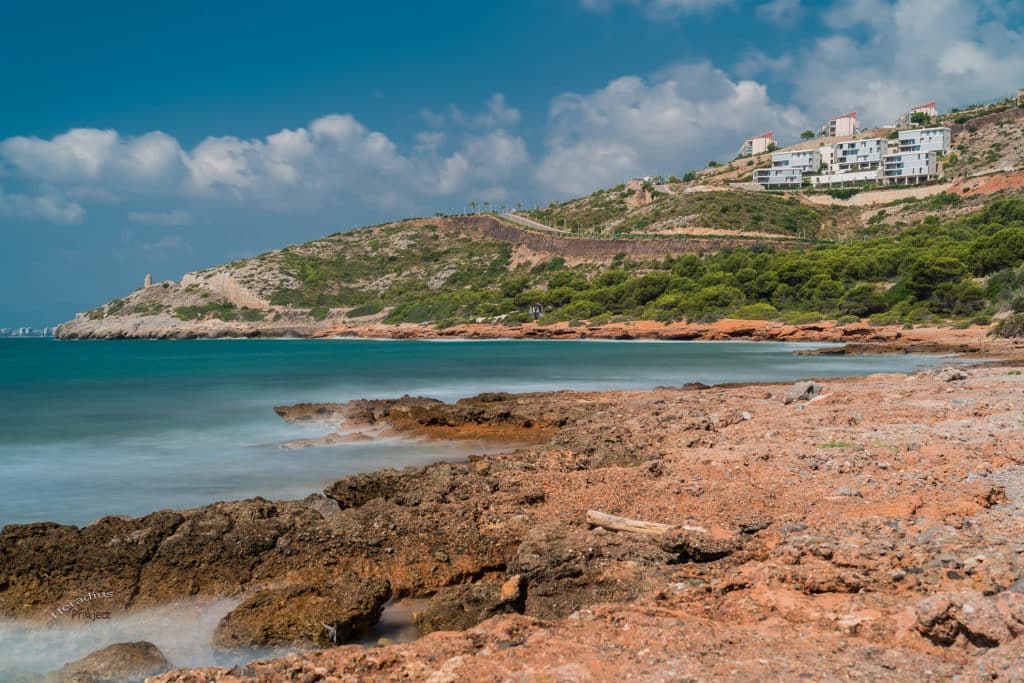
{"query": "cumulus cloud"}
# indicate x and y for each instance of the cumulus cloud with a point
(497, 114)
(884, 56)
(673, 121)
(780, 12)
(332, 159)
(84, 154)
(53, 209)
(160, 218)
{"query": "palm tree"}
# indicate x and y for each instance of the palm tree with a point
(519, 206)
(472, 205)
(487, 207)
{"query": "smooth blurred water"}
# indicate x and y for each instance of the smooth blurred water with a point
(127, 427)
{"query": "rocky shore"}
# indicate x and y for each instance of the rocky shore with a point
(856, 528)
(857, 337)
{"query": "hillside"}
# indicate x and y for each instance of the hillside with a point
(697, 250)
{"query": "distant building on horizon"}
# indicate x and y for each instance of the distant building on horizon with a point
(905, 119)
(758, 144)
(840, 126)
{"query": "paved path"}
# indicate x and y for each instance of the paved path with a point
(530, 223)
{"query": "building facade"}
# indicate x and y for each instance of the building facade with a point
(842, 179)
(757, 145)
(781, 177)
(858, 155)
(840, 126)
(930, 110)
(925, 140)
(807, 160)
(909, 168)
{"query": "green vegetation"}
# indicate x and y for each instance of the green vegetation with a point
(222, 310)
(1010, 327)
(807, 135)
(835, 444)
(365, 310)
(606, 213)
(151, 308)
(963, 269)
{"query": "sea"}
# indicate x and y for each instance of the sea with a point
(95, 428)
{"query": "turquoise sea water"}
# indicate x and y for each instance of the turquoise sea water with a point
(127, 427)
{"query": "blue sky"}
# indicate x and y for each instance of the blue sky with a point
(164, 137)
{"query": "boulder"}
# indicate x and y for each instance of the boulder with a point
(802, 391)
(118, 663)
(969, 617)
(457, 608)
(304, 615)
(950, 374)
(568, 568)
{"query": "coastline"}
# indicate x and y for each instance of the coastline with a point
(857, 337)
(841, 512)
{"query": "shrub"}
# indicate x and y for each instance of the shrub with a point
(759, 311)
(847, 320)
(1010, 327)
(364, 310)
(319, 312)
(802, 318)
(882, 319)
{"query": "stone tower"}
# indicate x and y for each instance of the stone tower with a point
(148, 282)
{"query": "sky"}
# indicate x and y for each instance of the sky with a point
(165, 137)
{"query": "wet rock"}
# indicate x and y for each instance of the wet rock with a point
(303, 615)
(948, 618)
(802, 391)
(457, 608)
(118, 663)
(950, 374)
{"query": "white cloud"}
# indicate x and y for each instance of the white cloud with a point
(53, 209)
(676, 120)
(84, 154)
(176, 217)
(780, 12)
(883, 57)
(756, 62)
(497, 115)
(334, 159)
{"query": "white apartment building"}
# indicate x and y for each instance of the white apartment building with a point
(840, 179)
(779, 177)
(925, 140)
(909, 168)
(757, 145)
(807, 160)
(906, 119)
(827, 156)
(858, 155)
(840, 126)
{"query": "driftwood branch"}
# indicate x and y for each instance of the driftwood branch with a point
(694, 543)
(636, 526)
